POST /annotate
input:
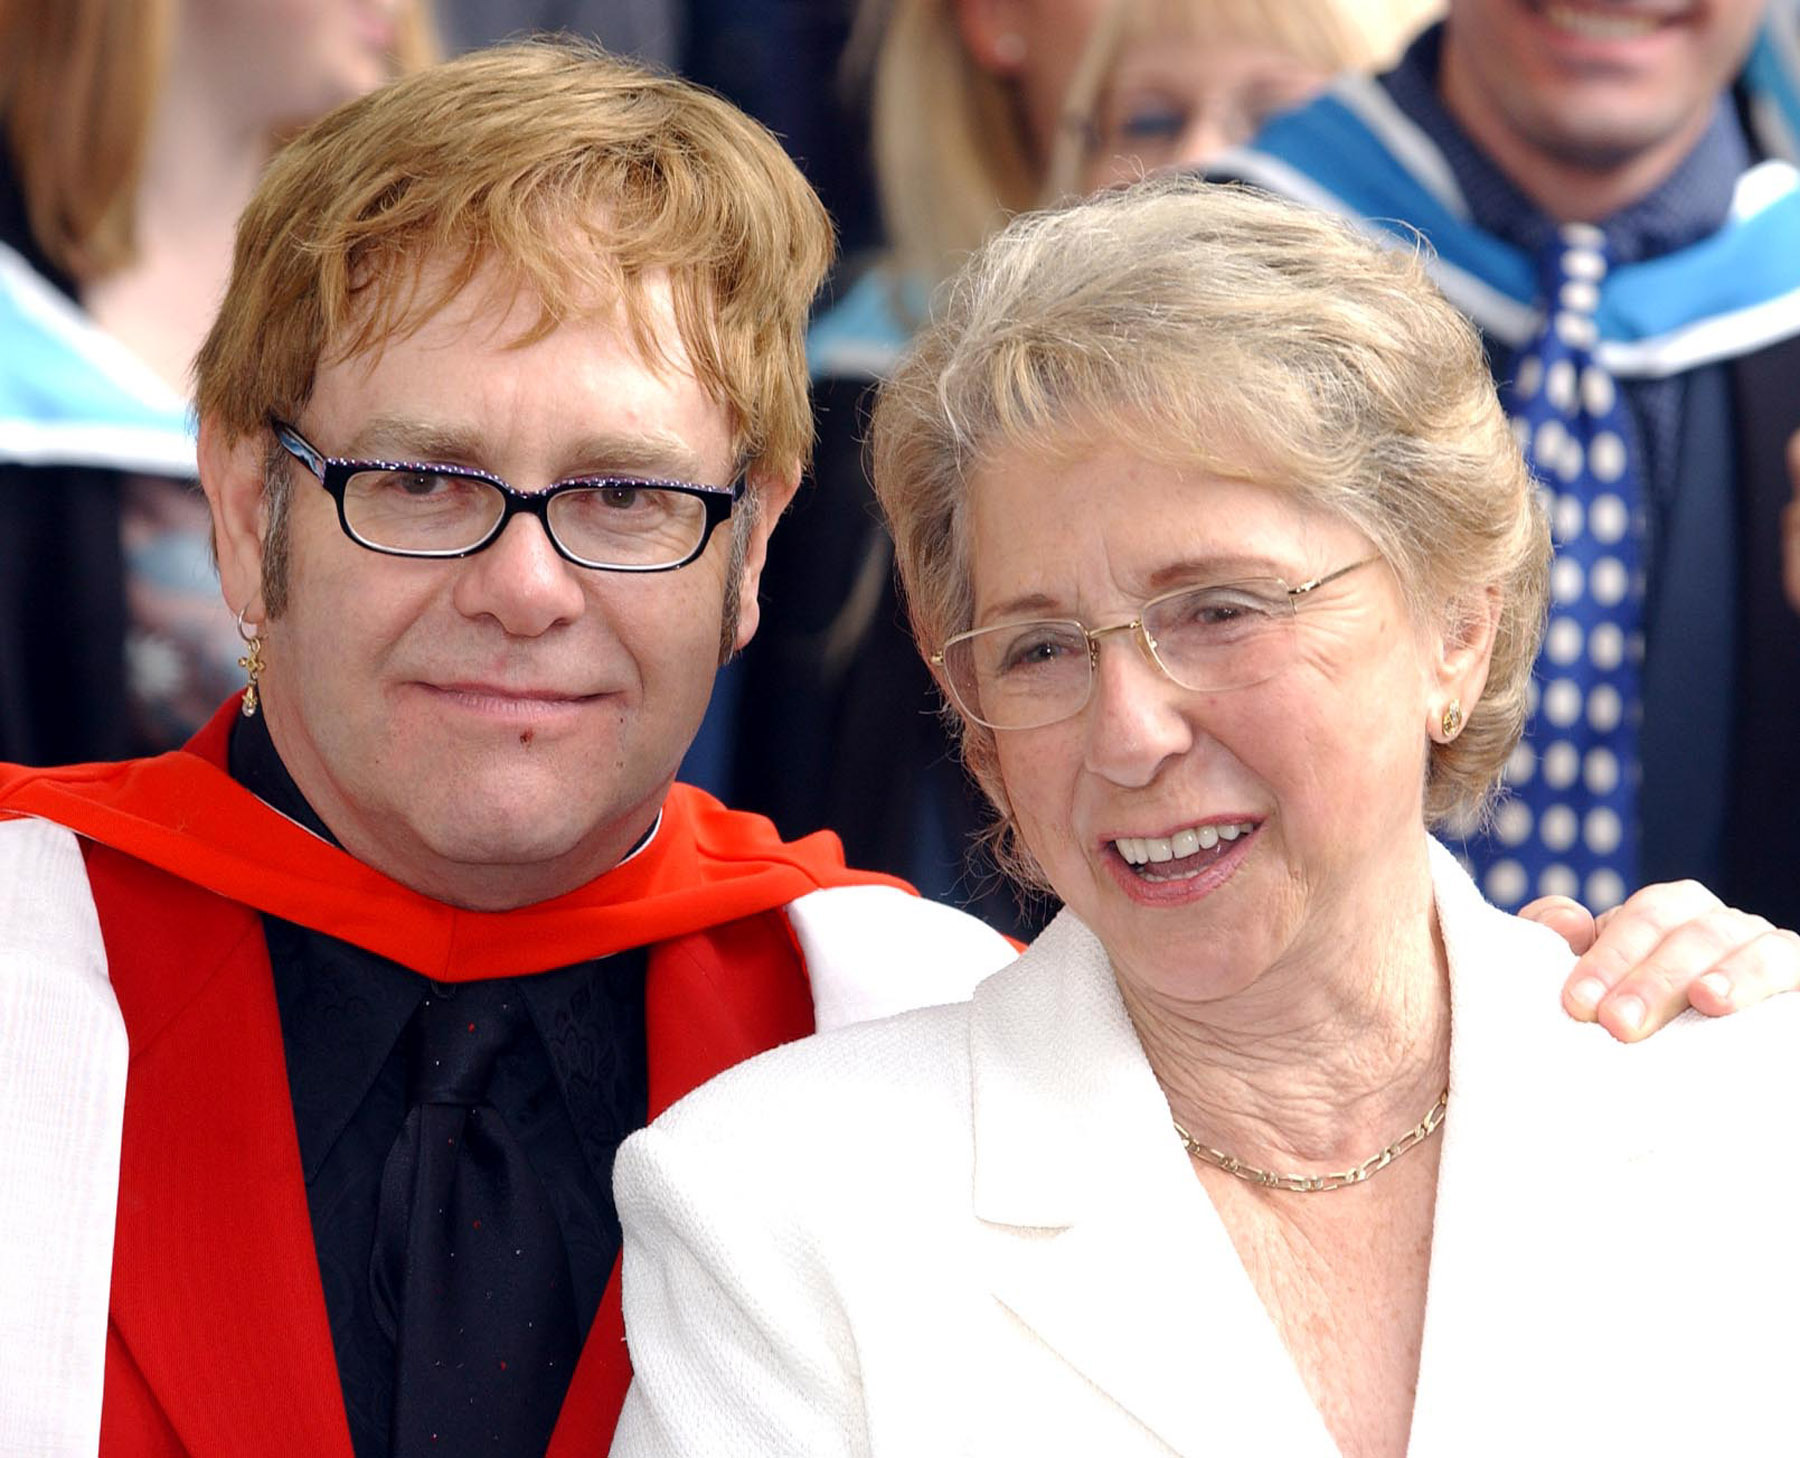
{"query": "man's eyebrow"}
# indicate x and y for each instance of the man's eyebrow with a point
(404, 437)
(656, 453)
(650, 453)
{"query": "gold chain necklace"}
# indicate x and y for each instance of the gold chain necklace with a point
(1317, 1184)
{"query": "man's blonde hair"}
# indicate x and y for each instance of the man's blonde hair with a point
(578, 175)
(1216, 328)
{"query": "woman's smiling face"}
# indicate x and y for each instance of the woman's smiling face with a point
(1308, 786)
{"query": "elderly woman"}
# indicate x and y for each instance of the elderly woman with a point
(979, 110)
(1275, 1140)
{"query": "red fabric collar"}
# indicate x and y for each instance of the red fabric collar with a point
(183, 814)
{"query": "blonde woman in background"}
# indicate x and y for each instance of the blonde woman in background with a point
(971, 97)
(134, 131)
(836, 720)
(1172, 83)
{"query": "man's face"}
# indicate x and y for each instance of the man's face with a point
(1593, 85)
(501, 728)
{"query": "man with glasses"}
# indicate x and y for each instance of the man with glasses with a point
(343, 1010)
(504, 399)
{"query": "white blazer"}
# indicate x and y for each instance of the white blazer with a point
(971, 1230)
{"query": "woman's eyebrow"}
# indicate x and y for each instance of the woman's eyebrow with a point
(1025, 606)
(1196, 571)
(1204, 570)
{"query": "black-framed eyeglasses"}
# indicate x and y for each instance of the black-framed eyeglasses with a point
(610, 523)
(1228, 635)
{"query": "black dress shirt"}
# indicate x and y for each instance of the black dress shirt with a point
(570, 1097)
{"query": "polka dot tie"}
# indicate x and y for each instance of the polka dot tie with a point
(1569, 824)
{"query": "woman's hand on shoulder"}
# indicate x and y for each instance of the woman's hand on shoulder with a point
(1669, 947)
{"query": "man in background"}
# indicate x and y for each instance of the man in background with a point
(1593, 179)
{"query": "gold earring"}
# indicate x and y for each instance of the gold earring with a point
(251, 663)
(1452, 720)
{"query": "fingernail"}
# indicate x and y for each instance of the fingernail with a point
(1586, 994)
(1718, 984)
(1628, 1012)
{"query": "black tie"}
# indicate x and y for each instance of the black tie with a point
(469, 1276)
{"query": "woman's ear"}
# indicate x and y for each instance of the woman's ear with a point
(231, 475)
(993, 32)
(1463, 649)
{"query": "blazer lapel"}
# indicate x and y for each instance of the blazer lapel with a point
(712, 999)
(216, 1289)
(1099, 1237)
(1599, 1206)
(1548, 1216)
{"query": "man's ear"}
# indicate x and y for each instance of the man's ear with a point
(231, 475)
(773, 493)
(1464, 647)
(993, 32)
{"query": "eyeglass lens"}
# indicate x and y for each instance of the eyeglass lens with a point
(1024, 675)
(617, 524)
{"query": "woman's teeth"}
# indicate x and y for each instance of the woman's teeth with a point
(1154, 850)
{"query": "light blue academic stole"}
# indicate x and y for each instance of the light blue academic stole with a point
(73, 396)
(1570, 826)
(863, 335)
(70, 395)
(1355, 153)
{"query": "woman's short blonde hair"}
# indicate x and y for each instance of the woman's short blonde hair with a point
(1217, 328)
(578, 175)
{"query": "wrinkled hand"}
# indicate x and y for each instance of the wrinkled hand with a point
(1670, 947)
(1790, 527)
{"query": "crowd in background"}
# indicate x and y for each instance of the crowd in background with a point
(133, 132)
(1254, 547)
